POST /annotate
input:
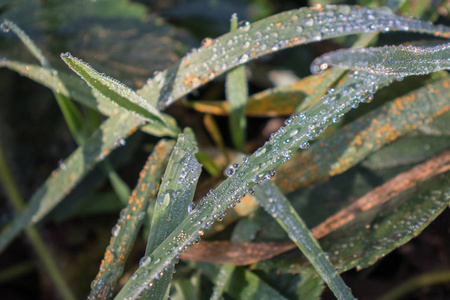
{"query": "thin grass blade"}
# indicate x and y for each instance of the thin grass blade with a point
(398, 61)
(115, 91)
(172, 205)
(8, 25)
(131, 218)
(276, 204)
(281, 31)
(237, 94)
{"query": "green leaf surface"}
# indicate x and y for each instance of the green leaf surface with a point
(284, 30)
(407, 150)
(278, 206)
(379, 231)
(351, 144)
(237, 94)
(116, 92)
(131, 218)
(174, 197)
(390, 60)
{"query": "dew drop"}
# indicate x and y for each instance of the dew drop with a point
(304, 145)
(192, 207)
(145, 260)
(4, 27)
(115, 230)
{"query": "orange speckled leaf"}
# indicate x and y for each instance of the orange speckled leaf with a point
(351, 144)
(131, 218)
(240, 253)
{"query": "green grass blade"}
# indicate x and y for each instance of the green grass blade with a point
(223, 278)
(68, 85)
(31, 46)
(334, 74)
(354, 142)
(115, 91)
(237, 94)
(70, 172)
(281, 31)
(171, 207)
(131, 218)
(278, 206)
(398, 61)
(70, 112)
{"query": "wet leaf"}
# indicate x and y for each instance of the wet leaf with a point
(131, 218)
(173, 204)
(115, 91)
(284, 30)
(399, 60)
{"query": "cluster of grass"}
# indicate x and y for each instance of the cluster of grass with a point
(360, 161)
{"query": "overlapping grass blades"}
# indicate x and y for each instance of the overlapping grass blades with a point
(249, 42)
(131, 218)
(173, 204)
(279, 207)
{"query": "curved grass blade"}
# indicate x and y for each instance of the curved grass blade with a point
(223, 278)
(352, 143)
(37, 53)
(398, 61)
(279, 207)
(64, 179)
(381, 230)
(281, 31)
(172, 205)
(333, 75)
(237, 93)
(131, 218)
(116, 92)
(63, 83)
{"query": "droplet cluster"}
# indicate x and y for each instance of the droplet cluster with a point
(399, 61)
(281, 31)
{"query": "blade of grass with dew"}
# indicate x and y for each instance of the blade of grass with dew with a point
(355, 141)
(257, 168)
(222, 279)
(281, 31)
(8, 25)
(278, 206)
(237, 94)
(333, 75)
(173, 204)
(398, 61)
(68, 85)
(43, 253)
(63, 179)
(117, 92)
(379, 230)
(131, 218)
